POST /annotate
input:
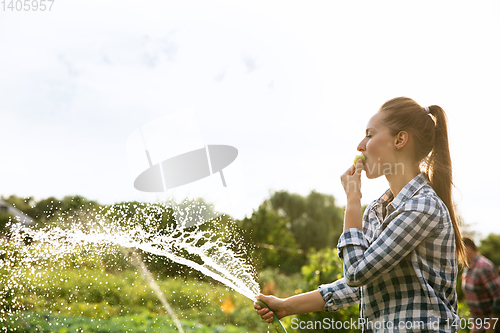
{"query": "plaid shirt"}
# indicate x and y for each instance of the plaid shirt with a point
(402, 267)
(481, 288)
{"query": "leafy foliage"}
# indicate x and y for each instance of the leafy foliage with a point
(47, 210)
(276, 246)
(144, 322)
(315, 221)
(286, 226)
(489, 248)
(325, 267)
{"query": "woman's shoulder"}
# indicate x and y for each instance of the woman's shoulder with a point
(426, 200)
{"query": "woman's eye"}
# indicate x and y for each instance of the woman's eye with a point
(368, 136)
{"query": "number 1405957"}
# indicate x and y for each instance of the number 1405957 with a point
(27, 5)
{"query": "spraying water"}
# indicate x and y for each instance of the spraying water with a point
(180, 233)
(136, 259)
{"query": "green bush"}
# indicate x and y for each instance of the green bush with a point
(324, 267)
(274, 282)
(145, 322)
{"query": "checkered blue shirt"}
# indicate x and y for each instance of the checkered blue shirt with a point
(402, 267)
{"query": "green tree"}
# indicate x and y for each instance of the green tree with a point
(49, 209)
(315, 220)
(274, 241)
(489, 248)
(286, 226)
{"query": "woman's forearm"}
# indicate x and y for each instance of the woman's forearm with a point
(353, 216)
(304, 303)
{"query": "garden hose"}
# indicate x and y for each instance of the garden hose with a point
(276, 322)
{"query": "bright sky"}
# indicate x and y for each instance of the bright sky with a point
(290, 84)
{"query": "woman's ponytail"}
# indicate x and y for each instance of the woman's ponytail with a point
(439, 171)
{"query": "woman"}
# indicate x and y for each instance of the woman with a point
(400, 258)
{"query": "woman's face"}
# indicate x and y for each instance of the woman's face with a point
(378, 146)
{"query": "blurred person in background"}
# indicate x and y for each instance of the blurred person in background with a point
(481, 286)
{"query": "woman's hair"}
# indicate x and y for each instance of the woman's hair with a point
(469, 242)
(430, 132)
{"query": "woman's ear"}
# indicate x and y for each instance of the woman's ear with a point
(401, 139)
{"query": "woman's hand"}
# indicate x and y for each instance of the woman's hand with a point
(274, 303)
(351, 180)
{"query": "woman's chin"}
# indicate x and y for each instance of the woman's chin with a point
(371, 175)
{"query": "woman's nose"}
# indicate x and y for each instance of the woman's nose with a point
(361, 146)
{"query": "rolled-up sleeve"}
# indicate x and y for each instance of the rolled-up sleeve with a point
(338, 295)
(363, 263)
(356, 241)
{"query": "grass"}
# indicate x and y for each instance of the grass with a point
(80, 293)
(92, 295)
(145, 322)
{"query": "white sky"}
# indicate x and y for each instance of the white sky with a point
(290, 84)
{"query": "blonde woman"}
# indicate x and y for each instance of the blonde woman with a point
(400, 258)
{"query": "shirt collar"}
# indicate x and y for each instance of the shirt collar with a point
(405, 194)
